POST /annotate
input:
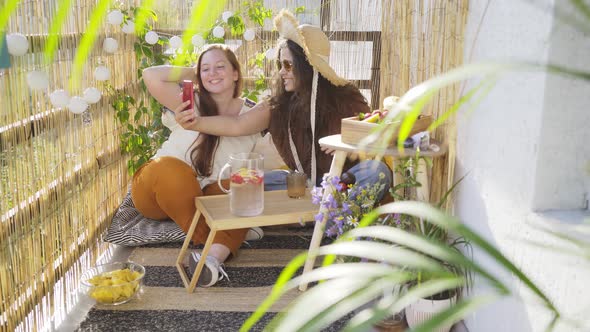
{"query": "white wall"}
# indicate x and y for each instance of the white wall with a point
(507, 147)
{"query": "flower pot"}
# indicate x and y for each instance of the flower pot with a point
(395, 323)
(424, 309)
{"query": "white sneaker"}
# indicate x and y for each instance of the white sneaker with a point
(254, 233)
(212, 270)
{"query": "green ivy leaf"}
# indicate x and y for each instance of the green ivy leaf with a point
(147, 51)
(257, 12)
(300, 10)
(236, 25)
(260, 83)
(257, 60)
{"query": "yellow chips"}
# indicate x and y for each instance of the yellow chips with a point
(114, 286)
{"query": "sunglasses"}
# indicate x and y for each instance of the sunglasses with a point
(288, 65)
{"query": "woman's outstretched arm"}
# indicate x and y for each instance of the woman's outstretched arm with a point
(251, 122)
(162, 83)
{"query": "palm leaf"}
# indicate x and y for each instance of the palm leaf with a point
(368, 295)
(5, 11)
(327, 302)
(55, 29)
(277, 291)
(454, 313)
(396, 303)
(566, 16)
(143, 13)
(356, 270)
(87, 41)
(382, 252)
(480, 91)
(203, 15)
(440, 251)
(416, 98)
(427, 212)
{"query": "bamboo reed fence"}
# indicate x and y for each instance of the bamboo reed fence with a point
(62, 175)
(424, 39)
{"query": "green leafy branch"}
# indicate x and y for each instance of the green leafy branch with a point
(142, 130)
(257, 13)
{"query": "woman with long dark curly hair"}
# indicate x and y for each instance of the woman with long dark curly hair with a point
(308, 101)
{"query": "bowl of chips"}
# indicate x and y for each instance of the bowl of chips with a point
(113, 283)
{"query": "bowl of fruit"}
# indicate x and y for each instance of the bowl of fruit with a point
(113, 283)
(355, 129)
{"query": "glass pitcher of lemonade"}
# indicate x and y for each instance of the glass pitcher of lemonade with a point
(246, 186)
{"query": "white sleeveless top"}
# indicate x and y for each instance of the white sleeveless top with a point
(180, 141)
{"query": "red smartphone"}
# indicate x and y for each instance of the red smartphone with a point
(188, 93)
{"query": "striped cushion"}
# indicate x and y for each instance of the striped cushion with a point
(130, 228)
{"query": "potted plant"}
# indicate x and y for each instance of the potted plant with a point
(392, 260)
(349, 203)
(425, 308)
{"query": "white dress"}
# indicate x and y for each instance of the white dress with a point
(180, 141)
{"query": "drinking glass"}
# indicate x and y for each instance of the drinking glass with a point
(296, 183)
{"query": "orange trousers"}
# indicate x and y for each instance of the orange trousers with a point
(166, 187)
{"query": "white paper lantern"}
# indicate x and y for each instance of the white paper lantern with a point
(151, 37)
(110, 45)
(77, 105)
(175, 42)
(249, 35)
(17, 44)
(128, 27)
(226, 15)
(218, 32)
(102, 73)
(91, 95)
(59, 98)
(271, 54)
(198, 40)
(37, 80)
(115, 17)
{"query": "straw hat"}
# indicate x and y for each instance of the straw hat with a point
(314, 42)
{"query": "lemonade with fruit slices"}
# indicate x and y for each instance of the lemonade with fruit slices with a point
(247, 192)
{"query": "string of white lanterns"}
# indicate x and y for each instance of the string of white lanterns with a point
(18, 45)
(151, 37)
(271, 53)
(198, 40)
(102, 73)
(128, 27)
(92, 95)
(249, 35)
(175, 42)
(115, 17)
(59, 98)
(226, 15)
(77, 105)
(110, 45)
(218, 32)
